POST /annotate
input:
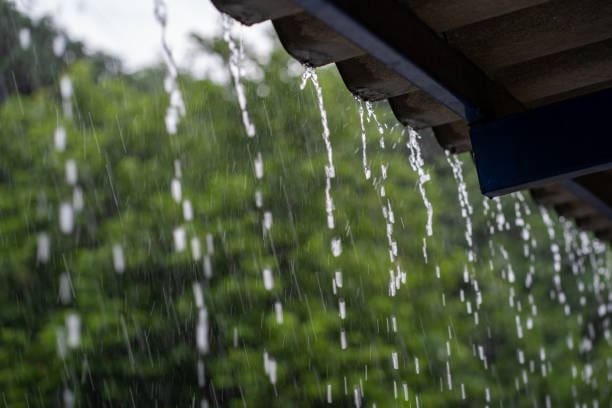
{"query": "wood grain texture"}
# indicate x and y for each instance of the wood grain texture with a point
(559, 73)
(553, 194)
(255, 11)
(454, 136)
(369, 79)
(444, 15)
(312, 42)
(419, 110)
(527, 34)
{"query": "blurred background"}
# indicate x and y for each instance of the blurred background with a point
(165, 236)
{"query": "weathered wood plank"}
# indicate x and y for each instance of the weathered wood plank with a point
(568, 95)
(419, 110)
(599, 184)
(594, 223)
(312, 42)
(553, 195)
(368, 78)
(425, 60)
(531, 33)
(576, 209)
(559, 73)
(605, 235)
(454, 136)
(444, 15)
(255, 11)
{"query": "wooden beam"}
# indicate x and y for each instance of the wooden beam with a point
(605, 235)
(419, 110)
(369, 79)
(553, 195)
(569, 95)
(393, 34)
(454, 136)
(559, 73)
(311, 41)
(444, 15)
(594, 223)
(576, 209)
(531, 33)
(255, 11)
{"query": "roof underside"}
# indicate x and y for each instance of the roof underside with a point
(495, 58)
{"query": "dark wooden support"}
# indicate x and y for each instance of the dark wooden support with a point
(454, 137)
(552, 143)
(444, 15)
(394, 35)
(499, 67)
(419, 110)
(371, 80)
(549, 28)
(312, 41)
(255, 11)
(554, 75)
(595, 223)
(597, 202)
(575, 209)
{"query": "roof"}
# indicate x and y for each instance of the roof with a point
(452, 65)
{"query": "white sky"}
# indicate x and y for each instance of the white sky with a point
(127, 29)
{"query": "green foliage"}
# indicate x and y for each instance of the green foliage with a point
(25, 69)
(138, 346)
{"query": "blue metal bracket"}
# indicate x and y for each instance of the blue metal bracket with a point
(556, 142)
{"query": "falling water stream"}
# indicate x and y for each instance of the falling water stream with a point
(417, 164)
(335, 242)
(396, 276)
(68, 337)
(235, 60)
(174, 112)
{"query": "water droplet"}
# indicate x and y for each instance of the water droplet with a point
(43, 248)
(65, 288)
(59, 138)
(278, 308)
(336, 247)
(176, 190)
(268, 279)
(202, 331)
(187, 210)
(196, 249)
(118, 258)
(259, 167)
(66, 216)
(78, 201)
(180, 239)
(198, 295)
(73, 330)
(25, 38)
(59, 45)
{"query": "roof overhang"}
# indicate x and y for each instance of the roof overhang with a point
(515, 82)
